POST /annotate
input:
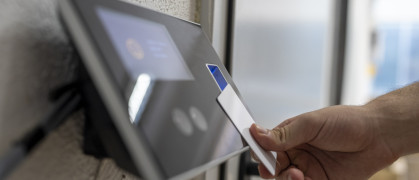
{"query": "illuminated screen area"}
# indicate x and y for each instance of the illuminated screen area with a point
(144, 47)
(164, 98)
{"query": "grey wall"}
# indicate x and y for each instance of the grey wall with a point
(34, 58)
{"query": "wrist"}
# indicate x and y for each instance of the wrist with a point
(396, 120)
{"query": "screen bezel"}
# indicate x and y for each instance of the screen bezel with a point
(108, 87)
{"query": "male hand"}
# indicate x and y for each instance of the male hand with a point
(338, 142)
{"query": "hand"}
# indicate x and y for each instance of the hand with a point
(338, 142)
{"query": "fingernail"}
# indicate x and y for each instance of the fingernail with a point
(261, 130)
(289, 177)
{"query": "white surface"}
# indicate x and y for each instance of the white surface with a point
(283, 10)
(219, 31)
(357, 79)
(212, 173)
(232, 168)
(404, 11)
(214, 23)
(242, 119)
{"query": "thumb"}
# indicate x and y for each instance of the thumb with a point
(284, 137)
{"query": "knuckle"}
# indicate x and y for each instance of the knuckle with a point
(280, 135)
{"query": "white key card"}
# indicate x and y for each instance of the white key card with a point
(242, 119)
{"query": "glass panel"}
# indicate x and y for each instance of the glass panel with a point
(281, 56)
(396, 56)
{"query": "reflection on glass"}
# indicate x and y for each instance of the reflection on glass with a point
(396, 56)
(137, 97)
(280, 57)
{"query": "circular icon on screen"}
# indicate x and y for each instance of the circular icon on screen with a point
(182, 122)
(198, 118)
(134, 48)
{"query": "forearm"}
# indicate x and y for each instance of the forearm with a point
(397, 118)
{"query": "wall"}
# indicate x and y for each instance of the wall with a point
(35, 58)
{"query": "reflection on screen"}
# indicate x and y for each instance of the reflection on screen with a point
(176, 113)
(144, 47)
(138, 97)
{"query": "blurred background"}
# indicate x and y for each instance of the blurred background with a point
(286, 57)
(290, 57)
